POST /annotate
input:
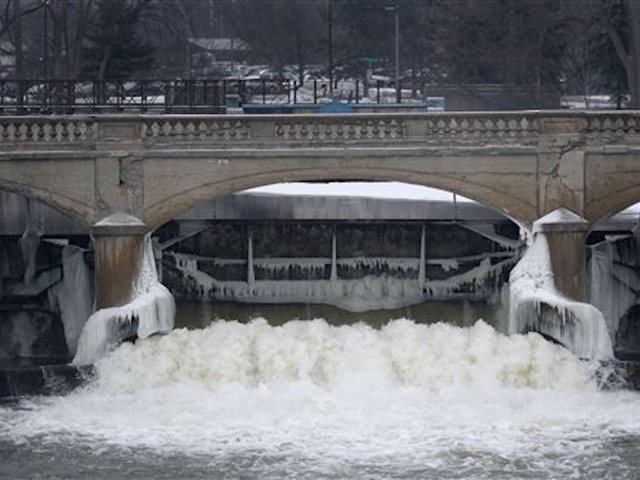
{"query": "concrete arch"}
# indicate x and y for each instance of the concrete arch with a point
(167, 208)
(613, 203)
(61, 203)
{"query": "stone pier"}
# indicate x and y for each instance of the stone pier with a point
(118, 245)
(566, 234)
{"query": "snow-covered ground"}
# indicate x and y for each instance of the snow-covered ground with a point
(388, 190)
(396, 190)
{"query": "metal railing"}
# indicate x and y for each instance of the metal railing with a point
(55, 96)
(21, 96)
(210, 96)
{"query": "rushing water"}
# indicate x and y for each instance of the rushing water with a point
(310, 400)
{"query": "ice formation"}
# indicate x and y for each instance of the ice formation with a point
(536, 304)
(73, 294)
(29, 243)
(613, 278)
(399, 287)
(151, 311)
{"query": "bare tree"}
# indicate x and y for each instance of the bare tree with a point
(622, 24)
(281, 32)
(11, 27)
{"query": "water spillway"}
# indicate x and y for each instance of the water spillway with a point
(310, 399)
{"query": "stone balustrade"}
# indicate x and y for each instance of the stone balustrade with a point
(440, 128)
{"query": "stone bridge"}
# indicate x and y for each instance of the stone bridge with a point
(125, 175)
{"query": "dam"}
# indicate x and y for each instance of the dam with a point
(485, 313)
(259, 248)
(356, 253)
(312, 377)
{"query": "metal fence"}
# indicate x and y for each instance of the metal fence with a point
(28, 96)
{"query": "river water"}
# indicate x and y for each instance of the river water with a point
(308, 399)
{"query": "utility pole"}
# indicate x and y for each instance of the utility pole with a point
(330, 26)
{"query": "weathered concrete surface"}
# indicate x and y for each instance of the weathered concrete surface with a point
(523, 164)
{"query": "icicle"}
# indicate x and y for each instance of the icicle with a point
(74, 295)
(29, 243)
(251, 276)
(334, 256)
(421, 268)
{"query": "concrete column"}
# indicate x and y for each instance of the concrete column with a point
(118, 250)
(334, 257)
(422, 268)
(566, 234)
(251, 276)
(157, 256)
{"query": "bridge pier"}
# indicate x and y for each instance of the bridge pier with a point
(566, 234)
(119, 252)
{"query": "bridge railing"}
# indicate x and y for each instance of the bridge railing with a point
(33, 96)
(59, 96)
(484, 130)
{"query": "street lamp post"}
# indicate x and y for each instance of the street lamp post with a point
(330, 27)
(45, 47)
(396, 10)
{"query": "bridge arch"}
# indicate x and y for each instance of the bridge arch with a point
(613, 203)
(169, 207)
(68, 206)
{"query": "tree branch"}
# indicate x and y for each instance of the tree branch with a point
(9, 23)
(618, 44)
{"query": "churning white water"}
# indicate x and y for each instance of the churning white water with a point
(309, 400)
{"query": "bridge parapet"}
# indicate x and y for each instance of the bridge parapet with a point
(438, 128)
(432, 129)
(46, 130)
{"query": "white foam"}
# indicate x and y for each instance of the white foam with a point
(405, 398)
(401, 353)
